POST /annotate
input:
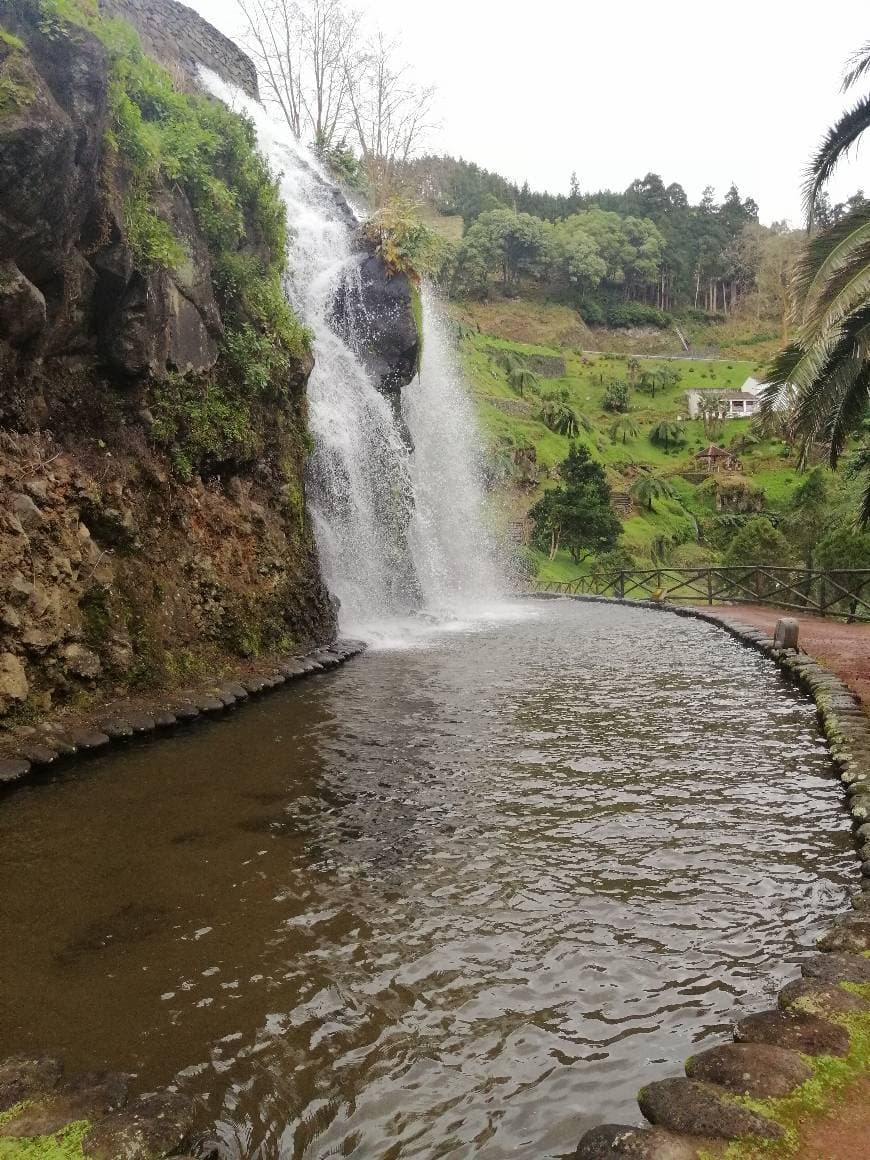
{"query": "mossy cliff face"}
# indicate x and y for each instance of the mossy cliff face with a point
(152, 376)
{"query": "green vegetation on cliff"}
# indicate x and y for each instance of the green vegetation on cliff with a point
(159, 137)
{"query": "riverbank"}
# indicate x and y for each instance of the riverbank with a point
(844, 649)
(29, 749)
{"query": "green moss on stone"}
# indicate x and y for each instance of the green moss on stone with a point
(63, 1145)
(821, 1093)
(417, 310)
(16, 84)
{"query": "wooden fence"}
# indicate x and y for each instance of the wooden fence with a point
(843, 593)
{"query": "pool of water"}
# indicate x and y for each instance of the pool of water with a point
(459, 899)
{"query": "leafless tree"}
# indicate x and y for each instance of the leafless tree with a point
(301, 51)
(390, 114)
(272, 38)
(331, 84)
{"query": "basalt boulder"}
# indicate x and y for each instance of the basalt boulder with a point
(374, 313)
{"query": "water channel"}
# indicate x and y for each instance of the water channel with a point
(458, 898)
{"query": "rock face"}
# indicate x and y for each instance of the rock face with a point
(374, 312)
(117, 568)
(179, 37)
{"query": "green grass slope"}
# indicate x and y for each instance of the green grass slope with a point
(512, 427)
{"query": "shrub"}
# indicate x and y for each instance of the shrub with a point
(615, 397)
(636, 314)
(592, 312)
(758, 542)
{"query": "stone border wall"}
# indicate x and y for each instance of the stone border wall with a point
(130, 720)
(181, 39)
(768, 1058)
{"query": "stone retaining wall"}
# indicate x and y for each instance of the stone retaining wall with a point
(55, 743)
(727, 1090)
(181, 40)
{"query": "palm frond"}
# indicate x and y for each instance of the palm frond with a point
(828, 252)
(859, 64)
(845, 419)
(835, 145)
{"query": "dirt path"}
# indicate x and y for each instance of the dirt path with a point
(843, 648)
(844, 1132)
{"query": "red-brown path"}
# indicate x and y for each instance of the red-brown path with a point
(842, 648)
(843, 1133)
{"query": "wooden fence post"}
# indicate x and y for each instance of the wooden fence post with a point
(621, 586)
(709, 586)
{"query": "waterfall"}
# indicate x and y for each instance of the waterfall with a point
(396, 500)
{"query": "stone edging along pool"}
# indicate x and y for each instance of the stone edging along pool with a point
(748, 1096)
(126, 720)
(740, 1096)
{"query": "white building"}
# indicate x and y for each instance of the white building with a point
(742, 404)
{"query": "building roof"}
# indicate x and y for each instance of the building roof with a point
(720, 394)
(713, 452)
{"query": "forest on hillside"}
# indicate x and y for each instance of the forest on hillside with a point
(622, 259)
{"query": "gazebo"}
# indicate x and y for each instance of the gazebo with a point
(715, 458)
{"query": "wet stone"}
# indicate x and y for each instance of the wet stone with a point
(754, 1069)
(292, 669)
(89, 741)
(812, 997)
(13, 768)
(236, 689)
(851, 937)
(621, 1142)
(805, 1033)
(156, 1125)
(683, 1105)
(22, 1077)
(64, 744)
(185, 712)
(39, 755)
(164, 719)
(225, 698)
(140, 722)
(84, 1097)
(254, 685)
(209, 704)
(117, 728)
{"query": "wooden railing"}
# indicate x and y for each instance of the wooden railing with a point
(844, 593)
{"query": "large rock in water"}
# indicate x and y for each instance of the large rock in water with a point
(374, 313)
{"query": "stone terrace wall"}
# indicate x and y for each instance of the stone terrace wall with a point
(180, 39)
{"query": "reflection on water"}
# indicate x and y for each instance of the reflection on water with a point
(457, 900)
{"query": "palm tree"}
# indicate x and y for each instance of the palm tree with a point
(647, 488)
(840, 138)
(508, 361)
(522, 380)
(632, 367)
(667, 433)
(823, 377)
(562, 419)
(623, 429)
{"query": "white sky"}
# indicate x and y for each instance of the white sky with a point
(701, 93)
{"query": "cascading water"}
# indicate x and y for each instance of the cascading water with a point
(399, 528)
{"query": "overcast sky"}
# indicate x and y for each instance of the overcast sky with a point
(701, 93)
